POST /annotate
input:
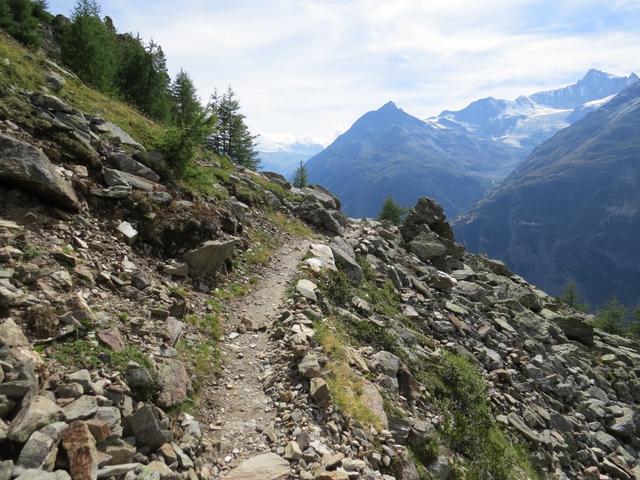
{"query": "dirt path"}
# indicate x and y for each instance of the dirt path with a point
(235, 406)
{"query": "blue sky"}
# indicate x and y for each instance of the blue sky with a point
(310, 68)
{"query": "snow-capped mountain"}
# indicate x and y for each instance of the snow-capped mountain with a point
(528, 121)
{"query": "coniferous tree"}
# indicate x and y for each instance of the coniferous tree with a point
(89, 46)
(301, 179)
(611, 318)
(186, 106)
(233, 137)
(571, 297)
(391, 211)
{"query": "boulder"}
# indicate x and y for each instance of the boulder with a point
(207, 259)
(125, 163)
(127, 231)
(387, 362)
(427, 247)
(427, 215)
(373, 400)
(81, 408)
(42, 447)
(313, 212)
(114, 131)
(27, 167)
(345, 259)
(307, 289)
(322, 195)
(40, 412)
(81, 451)
(267, 466)
(576, 329)
(11, 334)
(111, 338)
(173, 383)
(145, 425)
(117, 178)
(319, 392)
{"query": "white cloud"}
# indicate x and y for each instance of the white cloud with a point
(311, 67)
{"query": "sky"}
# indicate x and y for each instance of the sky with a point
(307, 69)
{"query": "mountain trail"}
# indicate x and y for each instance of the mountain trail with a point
(235, 406)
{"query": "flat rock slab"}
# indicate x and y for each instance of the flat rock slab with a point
(268, 466)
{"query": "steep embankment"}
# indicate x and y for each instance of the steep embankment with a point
(571, 210)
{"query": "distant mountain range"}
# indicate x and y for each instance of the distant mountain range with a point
(456, 157)
(284, 157)
(571, 210)
(528, 121)
(389, 152)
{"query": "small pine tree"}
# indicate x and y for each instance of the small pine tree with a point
(391, 211)
(186, 105)
(611, 318)
(301, 178)
(572, 298)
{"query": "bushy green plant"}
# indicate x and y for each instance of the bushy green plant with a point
(337, 288)
(180, 144)
(469, 427)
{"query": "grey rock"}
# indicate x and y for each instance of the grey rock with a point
(267, 466)
(6, 469)
(27, 167)
(145, 426)
(80, 409)
(576, 329)
(173, 383)
(115, 132)
(389, 363)
(82, 378)
(41, 449)
(139, 380)
(40, 412)
(309, 366)
(427, 213)
(427, 248)
(307, 289)
(345, 259)
(211, 256)
(117, 178)
(125, 163)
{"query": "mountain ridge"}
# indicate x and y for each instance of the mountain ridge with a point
(571, 208)
(390, 152)
(529, 120)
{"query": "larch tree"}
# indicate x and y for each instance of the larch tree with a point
(301, 178)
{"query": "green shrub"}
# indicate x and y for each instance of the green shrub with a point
(181, 144)
(337, 288)
(469, 427)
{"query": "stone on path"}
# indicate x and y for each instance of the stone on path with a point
(268, 466)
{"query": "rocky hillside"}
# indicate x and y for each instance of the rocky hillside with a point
(158, 329)
(570, 210)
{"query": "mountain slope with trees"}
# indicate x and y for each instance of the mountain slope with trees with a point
(571, 210)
